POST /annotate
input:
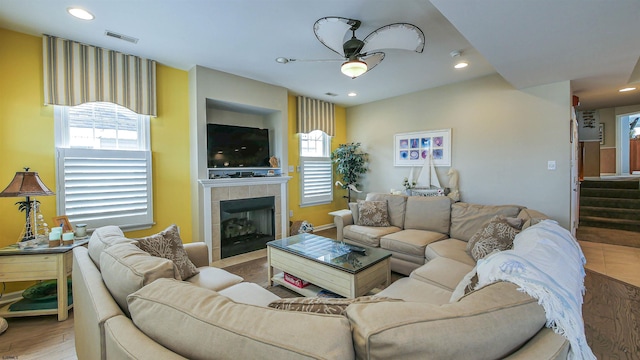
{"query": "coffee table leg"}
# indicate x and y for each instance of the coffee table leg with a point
(269, 268)
(388, 282)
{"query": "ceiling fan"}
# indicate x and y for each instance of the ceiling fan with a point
(362, 55)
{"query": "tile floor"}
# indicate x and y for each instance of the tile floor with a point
(619, 262)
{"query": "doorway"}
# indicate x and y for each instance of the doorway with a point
(628, 144)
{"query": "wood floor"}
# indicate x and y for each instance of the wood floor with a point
(611, 310)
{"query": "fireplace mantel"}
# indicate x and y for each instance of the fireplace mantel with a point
(244, 181)
(216, 190)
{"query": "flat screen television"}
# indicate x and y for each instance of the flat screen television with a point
(230, 146)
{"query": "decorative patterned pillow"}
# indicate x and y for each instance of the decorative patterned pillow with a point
(498, 234)
(168, 244)
(465, 286)
(373, 213)
(319, 305)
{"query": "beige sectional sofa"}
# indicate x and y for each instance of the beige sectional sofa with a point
(424, 228)
(217, 316)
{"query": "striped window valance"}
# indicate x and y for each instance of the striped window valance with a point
(76, 73)
(314, 114)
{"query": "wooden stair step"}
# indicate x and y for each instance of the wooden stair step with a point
(611, 184)
(621, 224)
(610, 202)
(606, 212)
(610, 193)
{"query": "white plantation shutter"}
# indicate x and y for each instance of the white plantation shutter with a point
(103, 166)
(106, 187)
(317, 181)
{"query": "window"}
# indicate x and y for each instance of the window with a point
(316, 170)
(103, 166)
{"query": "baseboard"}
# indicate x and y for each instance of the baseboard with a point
(323, 227)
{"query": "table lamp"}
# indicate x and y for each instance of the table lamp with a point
(26, 183)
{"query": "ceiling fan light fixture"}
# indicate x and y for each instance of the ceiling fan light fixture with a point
(461, 65)
(354, 68)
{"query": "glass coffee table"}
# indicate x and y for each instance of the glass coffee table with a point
(344, 269)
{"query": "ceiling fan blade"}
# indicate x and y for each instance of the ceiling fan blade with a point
(288, 60)
(395, 36)
(372, 59)
(331, 31)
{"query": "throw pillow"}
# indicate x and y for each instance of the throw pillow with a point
(465, 286)
(498, 234)
(354, 212)
(331, 306)
(168, 244)
(373, 213)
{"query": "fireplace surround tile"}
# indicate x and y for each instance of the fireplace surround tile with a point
(228, 189)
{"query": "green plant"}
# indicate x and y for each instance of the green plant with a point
(350, 164)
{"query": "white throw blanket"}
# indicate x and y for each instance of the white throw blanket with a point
(546, 262)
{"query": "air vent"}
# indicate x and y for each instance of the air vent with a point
(112, 34)
(330, 94)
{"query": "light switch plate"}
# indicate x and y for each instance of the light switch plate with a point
(551, 165)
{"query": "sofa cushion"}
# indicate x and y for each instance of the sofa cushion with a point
(467, 219)
(367, 235)
(249, 293)
(442, 272)
(168, 244)
(450, 248)
(199, 323)
(321, 305)
(497, 234)
(487, 324)
(531, 217)
(413, 290)
(372, 213)
(102, 238)
(428, 213)
(410, 241)
(395, 206)
(126, 268)
(214, 278)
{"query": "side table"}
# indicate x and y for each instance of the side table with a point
(39, 263)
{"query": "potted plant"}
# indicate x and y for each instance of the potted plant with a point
(350, 164)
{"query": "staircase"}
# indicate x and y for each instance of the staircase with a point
(612, 204)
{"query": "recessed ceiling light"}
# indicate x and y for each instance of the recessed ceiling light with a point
(352, 94)
(627, 89)
(80, 13)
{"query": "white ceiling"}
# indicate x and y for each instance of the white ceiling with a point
(595, 44)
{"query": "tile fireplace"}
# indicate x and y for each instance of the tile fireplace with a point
(217, 192)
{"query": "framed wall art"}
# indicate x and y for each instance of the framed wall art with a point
(62, 221)
(412, 149)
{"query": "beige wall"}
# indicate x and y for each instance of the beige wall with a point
(502, 139)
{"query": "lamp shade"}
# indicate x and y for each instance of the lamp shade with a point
(26, 183)
(354, 68)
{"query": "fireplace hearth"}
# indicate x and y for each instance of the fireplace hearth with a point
(246, 225)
